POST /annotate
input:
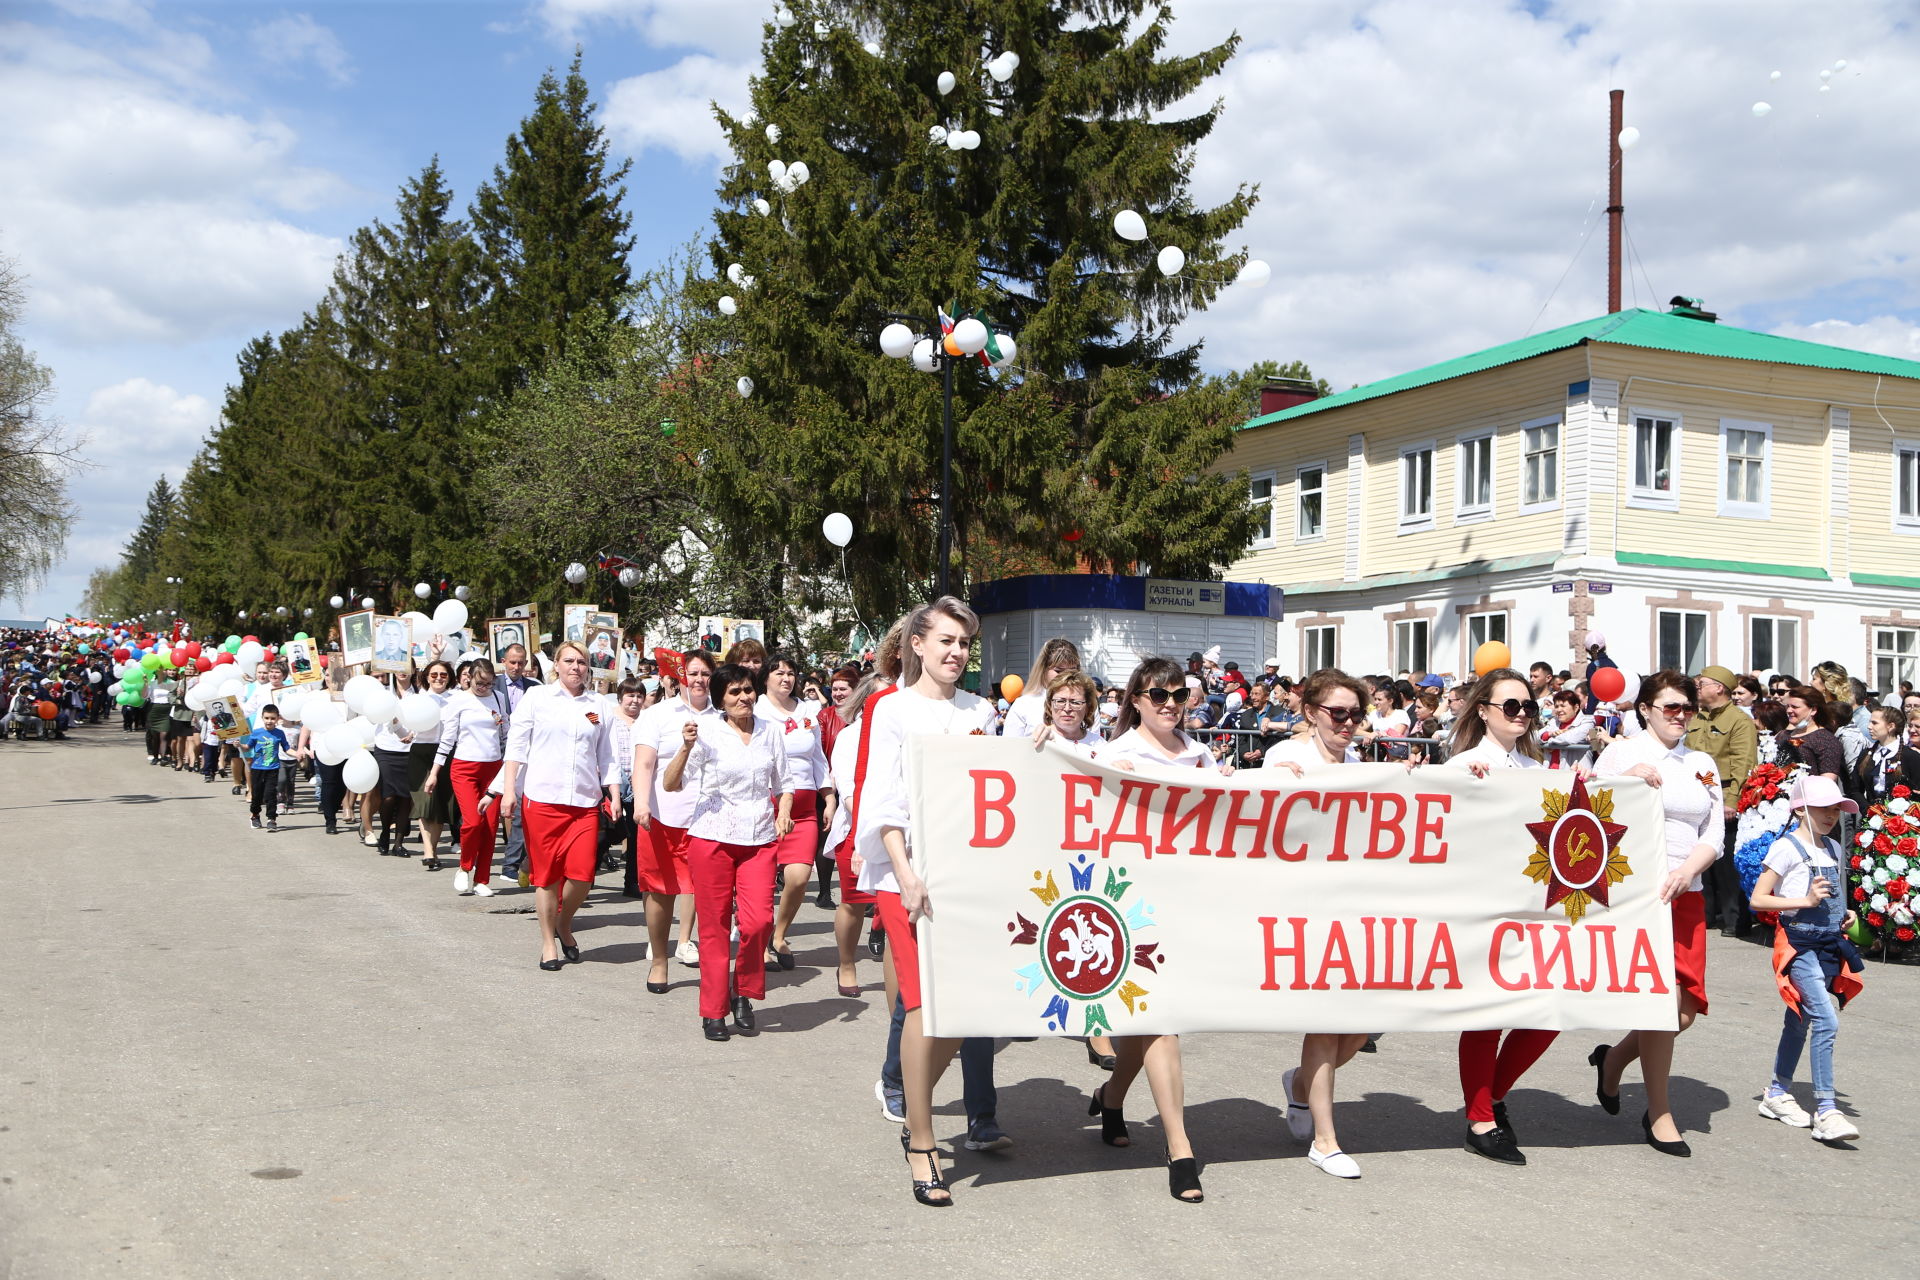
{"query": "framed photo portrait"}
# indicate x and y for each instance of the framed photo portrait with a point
(603, 656)
(303, 661)
(392, 644)
(573, 622)
(356, 638)
(504, 633)
(229, 718)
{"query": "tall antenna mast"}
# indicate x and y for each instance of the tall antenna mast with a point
(1615, 209)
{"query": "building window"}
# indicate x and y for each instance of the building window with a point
(1683, 640)
(1540, 467)
(1773, 644)
(1323, 648)
(1416, 485)
(1656, 442)
(1476, 478)
(1310, 488)
(1485, 627)
(1260, 498)
(1410, 645)
(1896, 657)
(1743, 468)
(1906, 485)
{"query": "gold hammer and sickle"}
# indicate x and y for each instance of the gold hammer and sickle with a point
(1581, 849)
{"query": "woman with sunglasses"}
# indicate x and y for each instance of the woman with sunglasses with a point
(1058, 657)
(428, 805)
(1689, 783)
(1331, 705)
(1497, 730)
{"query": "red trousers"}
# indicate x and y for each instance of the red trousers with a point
(470, 780)
(1488, 1068)
(725, 876)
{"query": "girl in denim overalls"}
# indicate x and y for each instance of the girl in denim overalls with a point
(1814, 963)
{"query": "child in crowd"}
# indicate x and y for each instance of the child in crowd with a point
(264, 748)
(209, 747)
(1816, 967)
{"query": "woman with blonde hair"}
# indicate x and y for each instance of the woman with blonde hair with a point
(1058, 657)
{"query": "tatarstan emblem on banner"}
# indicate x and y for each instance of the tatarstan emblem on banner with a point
(1089, 948)
(1576, 849)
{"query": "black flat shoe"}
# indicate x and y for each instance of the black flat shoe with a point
(1104, 1061)
(1496, 1144)
(824, 902)
(924, 1191)
(876, 938)
(782, 958)
(1184, 1176)
(431, 864)
(714, 1028)
(743, 1013)
(1679, 1148)
(1609, 1102)
(657, 988)
(1500, 1118)
(1113, 1124)
(553, 966)
(571, 951)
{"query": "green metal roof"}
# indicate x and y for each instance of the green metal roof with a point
(1655, 330)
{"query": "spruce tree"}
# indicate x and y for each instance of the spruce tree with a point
(1095, 448)
(143, 548)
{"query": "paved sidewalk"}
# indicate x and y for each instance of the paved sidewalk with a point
(227, 1053)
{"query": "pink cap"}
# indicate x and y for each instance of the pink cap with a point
(1596, 638)
(1817, 791)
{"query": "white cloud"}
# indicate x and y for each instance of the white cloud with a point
(672, 109)
(141, 416)
(297, 40)
(731, 28)
(1886, 335)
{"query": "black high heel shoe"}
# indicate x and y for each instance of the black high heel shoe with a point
(923, 1190)
(782, 958)
(1679, 1148)
(1104, 1061)
(656, 988)
(571, 951)
(1609, 1102)
(1113, 1124)
(1183, 1176)
(553, 966)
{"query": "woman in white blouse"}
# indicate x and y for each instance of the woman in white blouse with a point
(1689, 783)
(473, 736)
(560, 757)
(1497, 729)
(1058, 657)
(811, 789)
(736, 764)
(430, 807)
(928, 700)
(663, 817)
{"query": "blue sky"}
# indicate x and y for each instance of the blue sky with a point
(180, 175)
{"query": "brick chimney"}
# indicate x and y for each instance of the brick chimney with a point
(1284, 393)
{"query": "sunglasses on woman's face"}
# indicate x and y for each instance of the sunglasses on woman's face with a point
(1160, 697)
(1674, 710)
(1340, 715)
(1516, 708)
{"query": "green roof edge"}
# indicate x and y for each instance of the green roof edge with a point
(1653, 560)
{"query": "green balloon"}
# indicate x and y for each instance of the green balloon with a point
(151, 662)
(301, 635)
(231, 642)
(1861, 934)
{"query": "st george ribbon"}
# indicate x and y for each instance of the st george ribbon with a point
(1072, 899)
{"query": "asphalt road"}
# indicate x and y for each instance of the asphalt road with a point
(226, 1053)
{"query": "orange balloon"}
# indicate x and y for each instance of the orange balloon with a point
(952, 348)
(1010, 687)
(1491, 656)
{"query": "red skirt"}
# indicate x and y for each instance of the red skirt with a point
(796, 848)
(663, 859)
(562, 841)
(1690, 946)
(903, 945)
(850, 891)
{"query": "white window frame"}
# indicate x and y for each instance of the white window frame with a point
(1273, 483)
(1904, 664)
(1559, 430)
(1638, 495)
(1466, 510)
(1706, 637)
(1905, 522)
(1743, 509)
(1485, 619)
(1798, 658)
(1299, 499)
(1417, 522)
(1321, 635)
(1399, 648)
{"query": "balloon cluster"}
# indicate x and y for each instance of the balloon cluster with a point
(1172, 259)
(960, 337)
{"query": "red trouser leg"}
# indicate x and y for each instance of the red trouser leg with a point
(712, 867)
(755, 894)
(1520, 1050)
(470, 779)
(1489, 1068)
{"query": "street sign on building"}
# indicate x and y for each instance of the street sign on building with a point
(1165, 595)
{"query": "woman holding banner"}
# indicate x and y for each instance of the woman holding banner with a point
(1331, 703)
(1495, 730)
(1058, 657)
(1689, 783)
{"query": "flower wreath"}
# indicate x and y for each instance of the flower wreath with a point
(1763, 813)
(1886, 853)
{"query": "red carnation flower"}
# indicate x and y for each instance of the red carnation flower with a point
(1897, 888)
(1875, 919)
(1901, 792)
(1882, 845)
(1896, 825)
(1904, 933)
(1859, 895)
(1859, 861)
(1907, 847)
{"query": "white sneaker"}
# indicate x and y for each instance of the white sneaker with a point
(688, 954)
(463, 883)
(483, 890)
(1782, 1107)
(1299, 1119)
(370, 840)
(1831, 1126)
(1337, 1163)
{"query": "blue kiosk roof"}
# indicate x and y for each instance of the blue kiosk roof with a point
(1110, 591)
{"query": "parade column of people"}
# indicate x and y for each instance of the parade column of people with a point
(473, 734)
(663, 817)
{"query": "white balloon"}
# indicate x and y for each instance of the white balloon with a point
(728, 306)
(629, 577)
(1826, 75)
(336, 602)
(970, 336)
(1129, 225)
(798, 173)
(777, 170)
(735, 271)
(461, 593)
(1840, 64)
(362, 773)
(784, 16)
(323, 713)
(1826, 88)
(897, 341)
(1761, 109)
(972, 142)
(821, 28)
(422, 590)
(576, 573)
(957, 140)
(1000, 69)
(362, 730)
(358, 690)
(773, 133)
(1171, 259)
(332, 746)
(1012, 60)
(1628, 137)
(871, 48)
(838, 529)
(945, 83)
(1009, 350)
(288, 702)
(744, 385)
(761, 207)
(251, 655)
(195, 697)
(380, 707)
(923, 356)
(1255, 274)
(366, 602)
(1774, 76)
(450, 615)
(937, 134)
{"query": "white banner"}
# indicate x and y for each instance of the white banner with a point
(1069, 898)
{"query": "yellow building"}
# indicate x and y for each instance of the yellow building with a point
(1698, 492)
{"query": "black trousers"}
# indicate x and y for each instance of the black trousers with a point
(265, 789)
(1727, 907)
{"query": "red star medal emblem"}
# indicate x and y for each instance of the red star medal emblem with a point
(1575, 851)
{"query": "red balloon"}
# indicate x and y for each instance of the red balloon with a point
(1608, 684)
(203, 664)
(323, 662)
(180, 657)
(193, 648)
(122, 654)
(273, 655)
(250, 639)
(222, 658)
